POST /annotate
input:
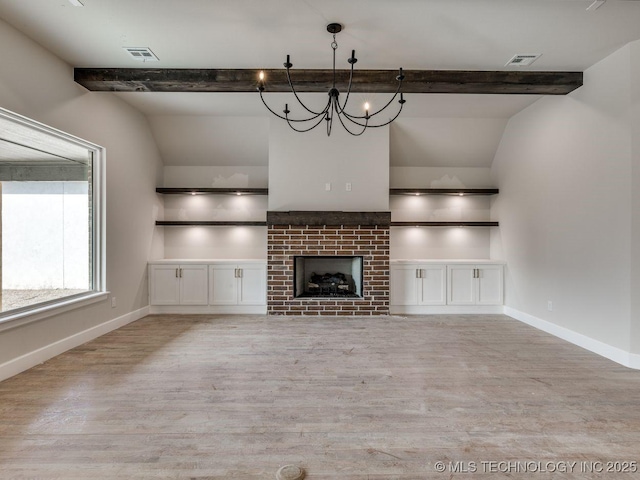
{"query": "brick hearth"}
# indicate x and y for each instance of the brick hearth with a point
(353, 237)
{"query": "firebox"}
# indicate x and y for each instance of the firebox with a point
(327, 276)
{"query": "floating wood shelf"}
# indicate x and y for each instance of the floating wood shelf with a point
(265, 191)
(445, 224)
(195, 223)
(444, 191)
(212, 191)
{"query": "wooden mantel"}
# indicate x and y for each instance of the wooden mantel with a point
(371, 81)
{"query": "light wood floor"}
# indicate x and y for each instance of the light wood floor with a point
(220, 397)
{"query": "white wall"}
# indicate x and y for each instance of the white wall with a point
(564, 172)
(203, 140)
(301, 164)
(241, 242)
(216, 177)
(412, 243)
(440, 208)
(247, 208)
(45, 235)
(441, 177)
(445, 142)
(635, 192)
(35, 83)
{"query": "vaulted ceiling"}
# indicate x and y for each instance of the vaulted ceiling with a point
(414, 34)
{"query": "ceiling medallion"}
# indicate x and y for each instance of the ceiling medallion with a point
(353, 124)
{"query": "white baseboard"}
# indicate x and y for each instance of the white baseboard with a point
(445, 309)
(618, 355)
(31, 359)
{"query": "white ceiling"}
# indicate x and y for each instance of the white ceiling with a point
(386, 34)
(414, 34)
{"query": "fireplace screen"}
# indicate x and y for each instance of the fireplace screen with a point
(328, 276)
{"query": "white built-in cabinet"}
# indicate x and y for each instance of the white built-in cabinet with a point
(418, 284)
(237, 284)
(207, 286)
(427, 286)
(474, 284)
(178, 285)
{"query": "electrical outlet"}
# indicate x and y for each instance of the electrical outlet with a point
(550, 306)
(327, 187)
(348, 186)
(114, 302)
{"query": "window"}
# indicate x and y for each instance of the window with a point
(51, 218)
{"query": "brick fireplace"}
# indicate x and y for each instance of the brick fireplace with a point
(337, 234)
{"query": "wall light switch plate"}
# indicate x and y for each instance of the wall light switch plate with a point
(327, 187)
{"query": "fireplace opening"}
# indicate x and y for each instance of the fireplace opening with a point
(327, 276)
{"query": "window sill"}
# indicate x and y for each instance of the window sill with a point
(45, 311)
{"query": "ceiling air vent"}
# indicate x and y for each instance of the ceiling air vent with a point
(142, 54)
(523, 60)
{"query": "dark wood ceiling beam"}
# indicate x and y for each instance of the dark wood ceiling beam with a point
(368, 81)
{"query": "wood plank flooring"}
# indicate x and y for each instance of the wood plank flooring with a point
(220, 397)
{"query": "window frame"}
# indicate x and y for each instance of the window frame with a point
(39, 311)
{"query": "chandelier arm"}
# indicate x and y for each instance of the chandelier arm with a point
(349, 131)
(360, 117)
(364, 127)
(295, 94)
(380, 125)
(346, 99)
(302, 130)
(292, 119)
(391, 100)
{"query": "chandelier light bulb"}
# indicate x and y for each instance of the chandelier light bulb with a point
(261, 76)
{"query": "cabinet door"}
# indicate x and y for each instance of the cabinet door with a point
(489, 284)
(404, 285)
(462, 285)
(223, 285)
(164, 285)
(432, 285)
(253, 284)
(193, 285)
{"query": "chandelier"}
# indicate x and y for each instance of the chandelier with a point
(352, 123)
